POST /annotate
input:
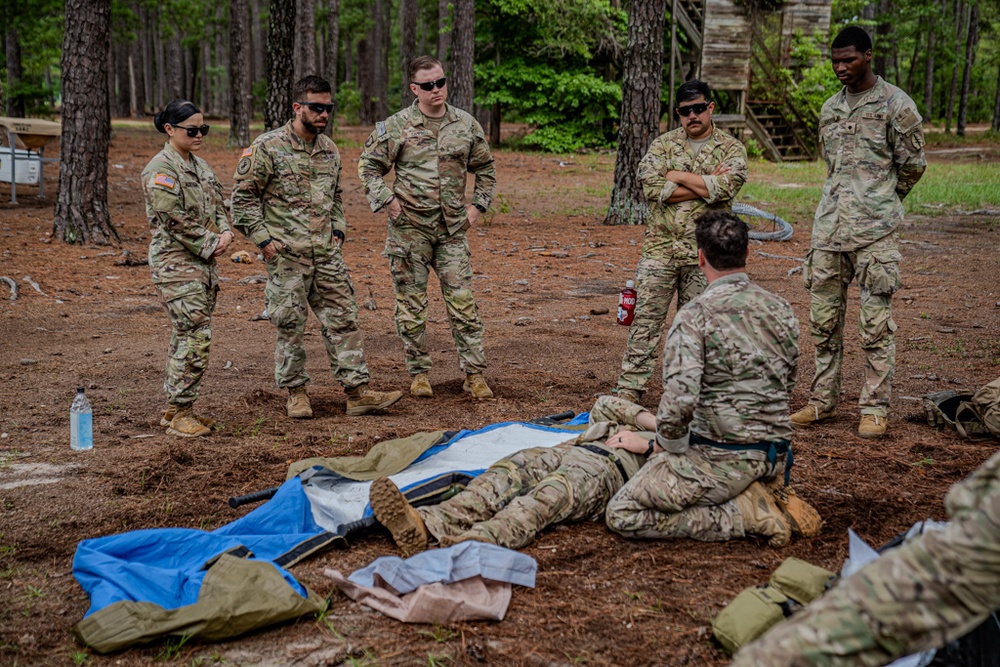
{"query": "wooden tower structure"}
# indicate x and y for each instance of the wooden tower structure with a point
(741, 54)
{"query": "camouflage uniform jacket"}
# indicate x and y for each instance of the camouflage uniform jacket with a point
(186, 216)
(430, 171)
(729, 367)
(670, 230)
(284, 191)
(874, 155)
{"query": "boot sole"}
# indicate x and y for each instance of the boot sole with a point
(390, 509)
(359, 410)
(179, 434)
(812, 423)
(422, 393)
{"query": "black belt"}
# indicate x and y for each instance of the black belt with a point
(603, 452)
(771, 447)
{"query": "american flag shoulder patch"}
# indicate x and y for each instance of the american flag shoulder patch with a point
(164, 181)
(247, 152)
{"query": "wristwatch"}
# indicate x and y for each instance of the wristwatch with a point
(649, 448)
(264, 242)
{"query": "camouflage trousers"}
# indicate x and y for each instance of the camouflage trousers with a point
(293, 287)
(689, 495)
(413, 251)
(189, 307)
(926, 593)
(827, 277)
(517, 497)
(656, 282)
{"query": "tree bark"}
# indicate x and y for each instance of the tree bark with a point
(460, 82)
(366, 67)
(929, 74)
(81, 214)
(444, 32)
(970, 55)
(378, 48)
(258, 43)
(173, 67)
(407, 45)
(995, 126)
(15, 100)
(123, 81)
(305, 38)
(240, 96)
(333, 43)
(883, 40)
(280, 68)
(953, 90)
(640, 112)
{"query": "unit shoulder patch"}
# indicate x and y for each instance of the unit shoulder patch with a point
(244, 166)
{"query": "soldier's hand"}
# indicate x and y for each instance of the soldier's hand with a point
(473, 214)
(394, 209)
(629, 441)
(721, 169)
(225, 238)
(272, 249)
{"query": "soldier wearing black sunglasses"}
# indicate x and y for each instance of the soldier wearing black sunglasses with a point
(287, 199)
(686, 171)
(433, 147)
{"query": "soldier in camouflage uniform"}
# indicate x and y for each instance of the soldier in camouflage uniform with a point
(517, 497)
(432, 147)
(872, 142)
(926, 593)
(692, 169)
(287, 200)
(722, 423)
(190, 229)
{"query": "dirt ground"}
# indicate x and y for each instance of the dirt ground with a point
(600, 599)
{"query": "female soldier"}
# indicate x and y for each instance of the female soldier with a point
(190, 229)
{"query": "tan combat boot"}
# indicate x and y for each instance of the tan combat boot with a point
(297, 405)
(809, 415)
(361, 400)
(185, 425)
(421, 386)
(804, 518)
(762, 516)
(872, 426)
(393, 510)
(475, 384)
(168, 416)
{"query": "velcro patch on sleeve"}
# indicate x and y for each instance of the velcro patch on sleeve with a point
(873, 115)
(907, 121)
(381, 131)
(247, 152)
(165, 181)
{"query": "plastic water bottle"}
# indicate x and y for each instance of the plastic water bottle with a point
(626, 304)
(81, 423)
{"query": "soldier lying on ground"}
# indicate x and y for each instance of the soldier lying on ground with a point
(517, 497)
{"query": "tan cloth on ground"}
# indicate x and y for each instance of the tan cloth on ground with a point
(472, 599)
(384, 459)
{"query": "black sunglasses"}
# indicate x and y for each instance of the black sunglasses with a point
(431, 85)
(193, 131)
(318, 107)
(693, 108)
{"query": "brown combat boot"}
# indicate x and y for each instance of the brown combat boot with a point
(762, 516)
(804, 518)
(872, 426)
(168, 416)
(361, 400)
(185, 425)
(393, 510)
(297, 405)
(809, 415)
(475, 384)
(421, 386)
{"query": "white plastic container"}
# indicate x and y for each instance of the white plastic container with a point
(29, 166)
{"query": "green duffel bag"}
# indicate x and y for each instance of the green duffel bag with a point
(751, 614)
(801, 581)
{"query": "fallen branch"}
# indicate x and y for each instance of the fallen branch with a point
(770, 256)
(34, 285)
(13, 287)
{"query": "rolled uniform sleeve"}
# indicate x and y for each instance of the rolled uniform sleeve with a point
(253, 173)
(653, 169)
(683, 366)
(166, 196)
(725, 187)
(907, 138)
(375, 162)
(481, 165)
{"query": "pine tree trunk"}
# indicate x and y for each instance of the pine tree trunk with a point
(463, 47)
(640, 111)
(258, 43)
(123, 98)
(220, 60)
(995, 126)
(205, 100)
(280, 67)
(143, 61)
(350, 74)
(240, 97)
(884, 41)
(15, 101)
(495, 124)
(333, 43)
(305, 38)
(81, 214)
(378, 43)
(444, 32)
(407, 44)
(366, 65)
(173, 67)
(929, 75)
(160, 48)
(110, 70)
(970, 56)
(953, 90)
